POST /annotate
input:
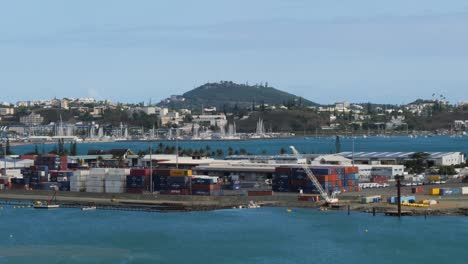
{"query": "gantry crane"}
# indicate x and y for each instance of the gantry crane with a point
(313, 179)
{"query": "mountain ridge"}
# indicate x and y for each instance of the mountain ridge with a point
(226, 93)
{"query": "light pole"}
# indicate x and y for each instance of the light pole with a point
(177, 148)
(398, 178)
(151, 166)
(4, 159)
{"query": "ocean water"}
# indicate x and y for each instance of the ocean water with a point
(307, 145)
(265, 235)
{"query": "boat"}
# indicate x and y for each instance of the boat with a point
(51, 204)
(88, 208)
(40, 205)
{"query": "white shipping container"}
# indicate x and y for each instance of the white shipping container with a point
(98, 171)
(116, 177)
(77, 189)
(119, 171)
(464, 190)
(13, 172)
(95, 189)
(96, 177)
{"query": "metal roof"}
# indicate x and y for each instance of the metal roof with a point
(392, 155)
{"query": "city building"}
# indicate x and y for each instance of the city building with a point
(212, 120)
(7, 111)
(32, 119)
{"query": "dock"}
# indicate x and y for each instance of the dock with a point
(395, 213)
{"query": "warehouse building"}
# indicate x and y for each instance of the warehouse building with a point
(399, 158)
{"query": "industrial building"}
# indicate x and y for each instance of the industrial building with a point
(399, 158)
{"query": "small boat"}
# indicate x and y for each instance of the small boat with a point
(40, 205)
(51, 204)
(88, 208)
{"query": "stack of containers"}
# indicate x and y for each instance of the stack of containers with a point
(115, 181)
(19, 183)
(50, 160)
(232, 182)
(63, 177)
(205, 185)
(178, 182)
(138, 180)
(160, 178)
(331, 178)
(4, 182)
(350, 178)
(78, 181)
(280, 181)
(95, 181)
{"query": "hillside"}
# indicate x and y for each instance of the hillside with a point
(230, 94)
(284, 121)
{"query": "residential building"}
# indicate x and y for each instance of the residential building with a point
(32, 119)
(212, 120)
(7, 111)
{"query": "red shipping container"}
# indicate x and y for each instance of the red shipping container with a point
(339, 183)
(135, 190)
(357, 189)
(417, 190)
(206, 187)
(351, 170)
(322, 178)
(31, 157)
(311, 198)
(284, 170)
(139, 172)
(161, 172)
(259, 193)
(379, 179)
(177, 192)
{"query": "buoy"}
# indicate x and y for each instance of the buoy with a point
(11, 236)
(366, 230)
(289, 210)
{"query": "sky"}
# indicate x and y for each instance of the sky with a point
(324, 50)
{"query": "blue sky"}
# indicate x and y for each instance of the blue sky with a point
(326, 51)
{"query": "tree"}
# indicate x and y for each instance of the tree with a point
(337, 144)
(282, 151)
(418, 162)
(8, 148)
(73, 149)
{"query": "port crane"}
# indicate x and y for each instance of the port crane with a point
(313, 179)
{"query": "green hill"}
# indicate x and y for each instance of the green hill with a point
(230, 94)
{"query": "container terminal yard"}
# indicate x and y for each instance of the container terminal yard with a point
(158, 183)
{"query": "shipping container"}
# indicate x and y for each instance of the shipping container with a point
(434, 178)
(259, 193)
(464, 190)
(162, 172)
(417, 190)
(139, 172)
(434, 191)
(180, 173)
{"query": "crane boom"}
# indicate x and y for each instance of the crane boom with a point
(313, 179)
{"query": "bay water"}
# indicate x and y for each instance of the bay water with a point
(264, 235)
(273, 146)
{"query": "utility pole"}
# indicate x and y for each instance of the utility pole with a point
(398, 179)
(4, 159)
(151, 166)
(177, 148)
